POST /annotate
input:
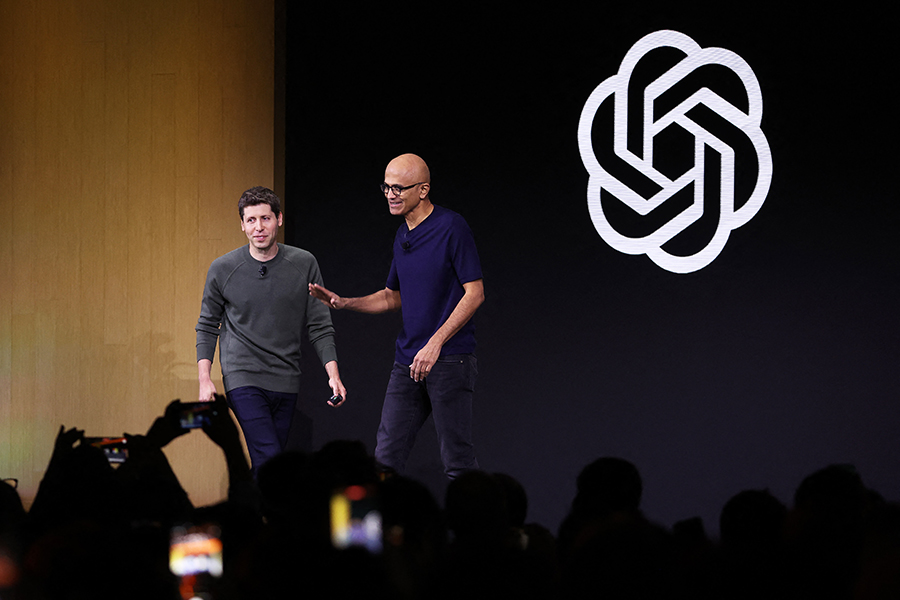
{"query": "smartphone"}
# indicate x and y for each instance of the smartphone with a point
(192, 415)
(114, 448)
(356, 518)
(195, 556)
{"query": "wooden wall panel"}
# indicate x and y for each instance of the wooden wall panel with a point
(128, 131)
(7, 136)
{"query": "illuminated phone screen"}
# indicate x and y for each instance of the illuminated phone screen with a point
(196, 414)
(355, 519)
(196, 549)
(114, 448)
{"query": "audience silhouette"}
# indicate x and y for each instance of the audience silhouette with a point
(95, 531)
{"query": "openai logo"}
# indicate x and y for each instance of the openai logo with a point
(677, 167)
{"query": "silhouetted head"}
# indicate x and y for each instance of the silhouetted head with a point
(345, 462)
(608, 484)
(11, 510)
(752, 519)
(289, 489)
(410, 514)
(516, 499)
(835, 492)
(476, 506)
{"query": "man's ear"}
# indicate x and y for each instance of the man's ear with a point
(423, 190)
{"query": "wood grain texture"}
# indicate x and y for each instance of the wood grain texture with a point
(128, 131)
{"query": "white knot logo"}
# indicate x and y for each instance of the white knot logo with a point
(713, 188)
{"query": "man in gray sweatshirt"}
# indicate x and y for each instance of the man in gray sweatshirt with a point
(255, 305)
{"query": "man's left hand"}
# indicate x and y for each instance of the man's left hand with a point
(424, 360)
(337, 389)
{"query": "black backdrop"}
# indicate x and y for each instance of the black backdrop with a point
(777, 359)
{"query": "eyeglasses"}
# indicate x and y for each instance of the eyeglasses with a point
(397, 189)
(13, 483)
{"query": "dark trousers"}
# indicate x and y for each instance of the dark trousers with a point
(447, 395)
(265, 418)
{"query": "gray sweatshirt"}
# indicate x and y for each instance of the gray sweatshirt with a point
(256, 311)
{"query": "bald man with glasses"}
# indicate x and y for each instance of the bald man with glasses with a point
(436, 279)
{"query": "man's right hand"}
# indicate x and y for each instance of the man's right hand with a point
(328, 298)
(204, 376)
(207, 391)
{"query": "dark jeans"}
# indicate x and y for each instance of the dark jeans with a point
(447, 394)
(265, 418)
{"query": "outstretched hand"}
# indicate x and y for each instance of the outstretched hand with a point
(166, 428)
(65, 441)
(327, 297)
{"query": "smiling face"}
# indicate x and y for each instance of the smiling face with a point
(261, 225)
(404, 171)
(407, 200)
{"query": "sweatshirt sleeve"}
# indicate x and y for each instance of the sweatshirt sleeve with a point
(212, 307)
(318, 321)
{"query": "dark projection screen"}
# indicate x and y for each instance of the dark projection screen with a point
(778, 357)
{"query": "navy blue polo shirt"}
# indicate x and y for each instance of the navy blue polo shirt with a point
(431, 264)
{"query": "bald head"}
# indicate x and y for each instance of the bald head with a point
(407, 182)
(409, 168)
